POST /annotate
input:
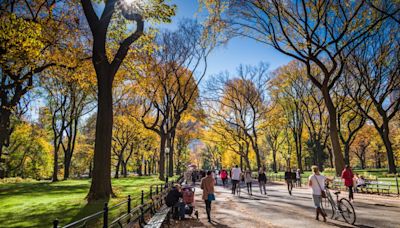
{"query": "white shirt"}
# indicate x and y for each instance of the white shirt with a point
(316, 190)
(236, 173)
(298, 175)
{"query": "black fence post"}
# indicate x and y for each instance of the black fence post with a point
(55, 223)
(151, 191)
(142, 198)
(105, 215)
(397, 184)
(129, 204)
(156, 189)
(166, 182)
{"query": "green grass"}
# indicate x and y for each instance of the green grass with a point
(38, 203)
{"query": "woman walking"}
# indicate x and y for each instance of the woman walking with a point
(248, 180)
(262, 180)
(317, 183)
(347, 175)
(224, 176)
(207, 185)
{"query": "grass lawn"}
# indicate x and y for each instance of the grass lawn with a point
(38, 203)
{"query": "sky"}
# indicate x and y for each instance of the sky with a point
(237, 51)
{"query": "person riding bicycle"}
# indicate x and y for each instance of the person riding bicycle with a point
(317, 183)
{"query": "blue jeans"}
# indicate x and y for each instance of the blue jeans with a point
(180, 206)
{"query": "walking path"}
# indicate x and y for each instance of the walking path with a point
(279, 209)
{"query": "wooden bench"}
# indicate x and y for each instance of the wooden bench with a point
(338, 184)
(158, 219)
(380, 187)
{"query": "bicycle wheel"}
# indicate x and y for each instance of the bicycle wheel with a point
(347, 211)
(328, 208)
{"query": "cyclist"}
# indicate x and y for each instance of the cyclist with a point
(317, 183)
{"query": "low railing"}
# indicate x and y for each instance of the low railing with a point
(155, 200)
(394, 191)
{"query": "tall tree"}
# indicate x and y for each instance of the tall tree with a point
(31, 35)
(106, 68)
(313, 32)
(169, 82)
(373, 82)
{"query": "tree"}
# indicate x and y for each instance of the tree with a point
(373, 82)
(68, 99)
(169, 82)
(242, 102)
(312, 32)
(105, 72)
(31, 37)
(285, 88)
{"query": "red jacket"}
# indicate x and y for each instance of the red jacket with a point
(348, 175)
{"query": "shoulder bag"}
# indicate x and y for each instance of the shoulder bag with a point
(323, 194)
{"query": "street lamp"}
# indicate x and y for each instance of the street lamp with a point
(166, 173)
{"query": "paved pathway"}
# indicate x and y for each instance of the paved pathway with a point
(279, 209)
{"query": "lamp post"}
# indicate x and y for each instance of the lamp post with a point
(167, 173)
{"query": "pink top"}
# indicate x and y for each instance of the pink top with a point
(348, 175)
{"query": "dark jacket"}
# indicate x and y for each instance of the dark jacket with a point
(262, 177)
(173, 197)
(288, 175)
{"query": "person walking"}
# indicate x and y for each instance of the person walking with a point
(262, 180)
(298, 178)
(194, 176)
(248, 179)
(289, 181)
(317, 183)
(207, 185)
(347, 176)
(224, 176)
(235, 178)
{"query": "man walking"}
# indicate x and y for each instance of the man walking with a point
(236, 172)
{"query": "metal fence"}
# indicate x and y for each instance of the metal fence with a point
(148, 206)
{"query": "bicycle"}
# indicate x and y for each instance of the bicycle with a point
(343, 207)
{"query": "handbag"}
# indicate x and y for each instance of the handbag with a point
(323, 194)
(211, 197)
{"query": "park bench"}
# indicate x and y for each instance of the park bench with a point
(380, 187)
(158, 219)
(338, 184)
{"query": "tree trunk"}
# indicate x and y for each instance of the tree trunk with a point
(55, 161)
(384, 133)
(67, 165)
(5, 133)
(161, 161)
(101, 181)
(171, 153)
(274, 165)
(124, 169)
(117, 168)
(333, 132)
(247, 163)
(347, 153)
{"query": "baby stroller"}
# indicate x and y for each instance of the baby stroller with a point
(188, 199)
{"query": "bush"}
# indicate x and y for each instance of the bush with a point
(13, 180)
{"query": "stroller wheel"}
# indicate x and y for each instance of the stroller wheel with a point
(197, 214)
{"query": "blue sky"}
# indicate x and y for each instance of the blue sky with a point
(237, 51)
